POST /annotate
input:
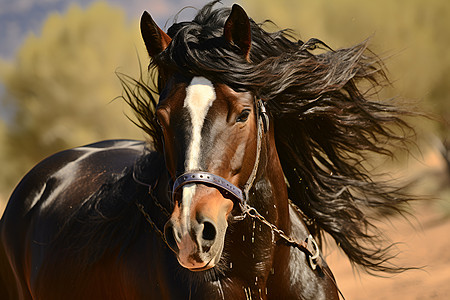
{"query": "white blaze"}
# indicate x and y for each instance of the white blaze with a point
(200, 95)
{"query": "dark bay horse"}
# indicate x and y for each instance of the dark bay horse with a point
(257, 149)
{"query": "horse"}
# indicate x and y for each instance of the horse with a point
(256, 149)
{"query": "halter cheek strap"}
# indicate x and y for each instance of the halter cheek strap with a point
(221, 183)
(262, 123)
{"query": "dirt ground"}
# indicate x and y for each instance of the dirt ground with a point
(425, 242)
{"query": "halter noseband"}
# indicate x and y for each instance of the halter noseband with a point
(211, 179)
(220, 182)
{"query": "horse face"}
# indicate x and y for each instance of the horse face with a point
(212, 128)
(207, 127)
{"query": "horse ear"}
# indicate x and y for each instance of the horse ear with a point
(155, 39)
(237, 30)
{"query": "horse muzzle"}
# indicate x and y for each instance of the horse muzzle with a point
(196, 230)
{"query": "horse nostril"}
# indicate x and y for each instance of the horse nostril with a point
(171, 236)
(209, 231)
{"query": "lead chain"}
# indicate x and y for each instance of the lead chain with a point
(150, 221)
(157, 203)
(253, 213)
(308, 221)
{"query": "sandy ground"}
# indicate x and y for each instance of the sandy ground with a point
(425, 242)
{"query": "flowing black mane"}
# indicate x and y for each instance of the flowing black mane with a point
(325, 124)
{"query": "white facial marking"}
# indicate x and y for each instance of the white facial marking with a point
(200, 95)
(188, 194)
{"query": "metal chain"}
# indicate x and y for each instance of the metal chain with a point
(157, 203)
(309, 246)
(308, 221)
(150, 221)
(312, 252)
(254, 214)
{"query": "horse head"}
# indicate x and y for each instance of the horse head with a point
(210, 138)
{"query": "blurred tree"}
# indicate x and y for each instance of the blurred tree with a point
(62, 83)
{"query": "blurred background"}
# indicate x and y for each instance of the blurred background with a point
(59, 89)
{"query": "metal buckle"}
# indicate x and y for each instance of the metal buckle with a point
(264, 115)
(315, 253)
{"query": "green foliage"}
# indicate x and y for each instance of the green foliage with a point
(62, 85)
(413, 34)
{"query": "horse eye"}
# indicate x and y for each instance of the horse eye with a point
(243, 116)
